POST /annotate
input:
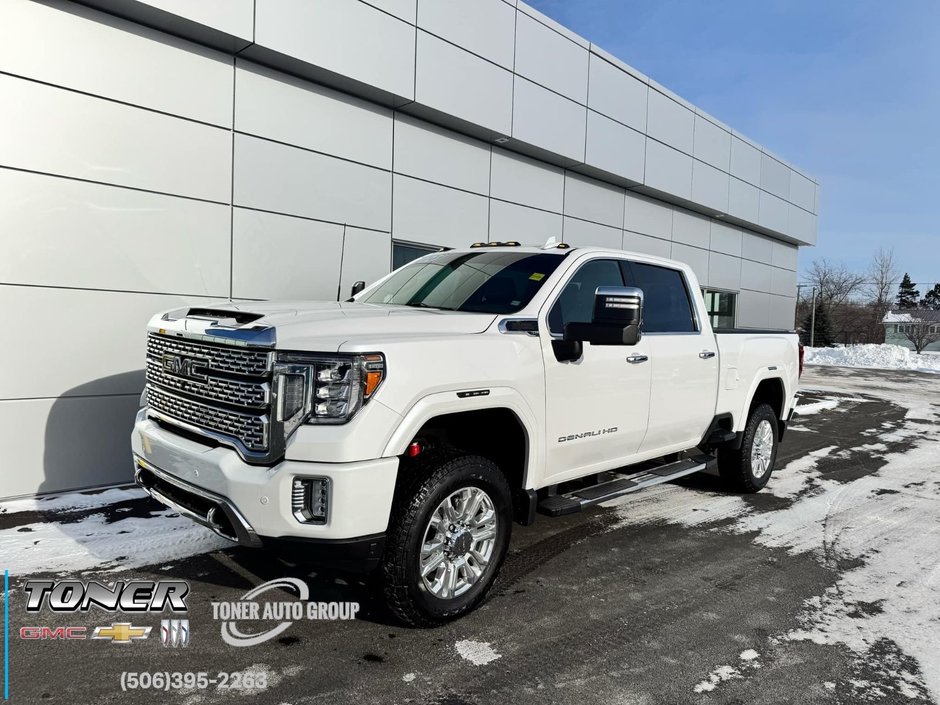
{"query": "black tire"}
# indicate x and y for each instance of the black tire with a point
(423, 487)
(735, 464)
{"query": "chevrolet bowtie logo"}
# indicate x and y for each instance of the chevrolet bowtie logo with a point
(121, 633)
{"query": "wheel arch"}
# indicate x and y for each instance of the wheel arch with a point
(495, 426)
(771, 391)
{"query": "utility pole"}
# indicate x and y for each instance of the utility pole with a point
(812, 314)
(812, 321)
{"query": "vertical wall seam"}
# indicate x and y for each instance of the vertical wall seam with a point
(564, 201)
(414, 76)
(489, 199)
(512, 99)
(231, 211)
(342, 255)
(587, 109)
(391, 214)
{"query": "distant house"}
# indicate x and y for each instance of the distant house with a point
(895, 323)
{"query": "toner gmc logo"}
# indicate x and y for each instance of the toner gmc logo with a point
(191, 367)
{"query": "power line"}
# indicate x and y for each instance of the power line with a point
(873, 283)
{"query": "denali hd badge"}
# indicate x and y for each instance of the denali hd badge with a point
(587, 434)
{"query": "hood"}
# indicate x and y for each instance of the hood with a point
(325, 326)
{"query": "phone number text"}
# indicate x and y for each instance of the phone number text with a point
(193, 680)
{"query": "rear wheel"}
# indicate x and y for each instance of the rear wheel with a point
(748, 468)
(447, 538)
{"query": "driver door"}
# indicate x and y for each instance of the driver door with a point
(597, 407)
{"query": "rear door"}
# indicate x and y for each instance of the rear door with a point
(596, 407)
(683, 360)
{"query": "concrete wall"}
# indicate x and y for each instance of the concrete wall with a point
(144, 165)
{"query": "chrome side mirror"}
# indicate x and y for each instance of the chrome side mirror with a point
(618, 314)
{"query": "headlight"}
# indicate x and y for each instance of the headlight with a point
(324, 389)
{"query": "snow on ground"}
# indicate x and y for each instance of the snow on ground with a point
(888, 357)
(816, 407)
(887, 522)
(98, 541)
(725, 673)
(70, 501)
(720, 674)
(479, 653)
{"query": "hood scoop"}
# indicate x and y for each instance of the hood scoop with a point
(223, 317)
(218, 325)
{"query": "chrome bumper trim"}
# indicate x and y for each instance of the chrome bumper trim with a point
(244, 534)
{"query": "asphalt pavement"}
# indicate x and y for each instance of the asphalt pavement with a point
(686, 595)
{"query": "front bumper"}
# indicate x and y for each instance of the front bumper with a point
(251, 504)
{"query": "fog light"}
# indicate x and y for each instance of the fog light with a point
(310, 499)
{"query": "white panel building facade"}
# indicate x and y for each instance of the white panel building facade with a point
(156, 153)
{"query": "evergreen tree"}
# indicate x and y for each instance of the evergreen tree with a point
(931, 299)
(822, 334)
(907, 293)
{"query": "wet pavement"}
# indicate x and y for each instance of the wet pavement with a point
(824, 588)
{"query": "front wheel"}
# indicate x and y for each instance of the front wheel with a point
(748, 468)
(447, 539)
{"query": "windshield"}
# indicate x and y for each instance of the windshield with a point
(482, 282)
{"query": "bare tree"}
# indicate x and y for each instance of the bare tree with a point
(835, 284)
(883, 276)
(921, 331)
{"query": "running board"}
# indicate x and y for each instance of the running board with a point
(576, 500)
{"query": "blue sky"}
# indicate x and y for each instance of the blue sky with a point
(847, 90)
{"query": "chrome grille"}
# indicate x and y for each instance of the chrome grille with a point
(223, 391)
(249, 429)
(241, 361)
(248, 394)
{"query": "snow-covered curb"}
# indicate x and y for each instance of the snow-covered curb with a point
(886, 357)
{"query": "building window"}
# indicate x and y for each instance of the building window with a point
(720, 306)
(405, 252)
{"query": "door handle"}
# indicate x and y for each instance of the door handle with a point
(706, 354)
(636, 359)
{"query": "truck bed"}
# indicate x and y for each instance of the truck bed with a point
(746, 358)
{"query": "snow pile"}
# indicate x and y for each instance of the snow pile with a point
(887, 357)
(98, 542)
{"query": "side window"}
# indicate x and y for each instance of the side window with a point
(666, 304)
(576, 303)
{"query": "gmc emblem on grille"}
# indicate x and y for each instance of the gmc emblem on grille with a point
(193, 368)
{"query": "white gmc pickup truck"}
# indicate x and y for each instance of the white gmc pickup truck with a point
(404, 430)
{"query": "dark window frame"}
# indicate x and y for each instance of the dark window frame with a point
(631, 280)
